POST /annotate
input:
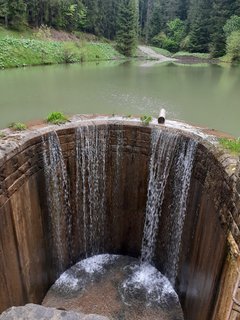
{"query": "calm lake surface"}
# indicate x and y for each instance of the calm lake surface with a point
(207, 95)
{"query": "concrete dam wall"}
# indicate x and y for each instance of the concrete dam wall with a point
(83, 188)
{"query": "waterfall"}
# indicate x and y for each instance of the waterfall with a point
(172, 153)
(57, 199)
(117, 196)
(163, 150)
(182, 179)
(91, 150)
(119, 147)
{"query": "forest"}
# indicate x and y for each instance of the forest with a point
(206, 26)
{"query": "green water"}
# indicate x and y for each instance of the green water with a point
(207, 95)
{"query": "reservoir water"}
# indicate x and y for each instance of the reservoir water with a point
(205, 94)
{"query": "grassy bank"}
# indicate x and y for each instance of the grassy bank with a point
(23, 49)
(194, 55)
(183, 54)
(164, 52)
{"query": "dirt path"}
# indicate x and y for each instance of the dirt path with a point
(154, 55)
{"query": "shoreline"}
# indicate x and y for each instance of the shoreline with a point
(27, 52)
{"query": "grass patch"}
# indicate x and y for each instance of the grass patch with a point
(183, 54)
(85, 51)
(57, 118)
(226, 59)
(231, 145)
(27, 33)
(22, 52)
(192, 54)
(18, 126)
(146, 119)
(164, 52)
(2, 135)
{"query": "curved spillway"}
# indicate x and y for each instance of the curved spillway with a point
(100, 185)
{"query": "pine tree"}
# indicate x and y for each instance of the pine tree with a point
(92, 19)
(142, 16)
(149, 12)
(222, 10)
(200, 25)
(16, 13)
(157, 21)
(127, 28)
(107, 18)
(4, 12)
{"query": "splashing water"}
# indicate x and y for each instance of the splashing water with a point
(149, 284)
(130, 290)
(75, 279)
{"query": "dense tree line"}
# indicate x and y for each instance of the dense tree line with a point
(193, 25)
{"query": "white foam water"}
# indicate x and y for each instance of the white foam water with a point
(146, 279)
(68, 281)
(75, 278)
(139, 283)
(95, 264)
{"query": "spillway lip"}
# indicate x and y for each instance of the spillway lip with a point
(13, 141)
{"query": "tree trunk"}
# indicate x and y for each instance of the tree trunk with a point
(149, 12)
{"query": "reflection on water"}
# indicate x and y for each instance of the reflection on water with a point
(200, 94)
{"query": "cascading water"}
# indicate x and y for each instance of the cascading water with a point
(91, 151)
(168, 150)
(182, 178)
(58, 199)
(119, 147)
(170, 165)
(116, 190)
(163, 150)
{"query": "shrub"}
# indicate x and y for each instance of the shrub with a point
(159, 39)
(57, 118)
(146, 119)
(170, 45)
(18, 126)
(68, 56)
(43, 33)
(176, 30)
(185, 43)
(164, 42)
(233, 46)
